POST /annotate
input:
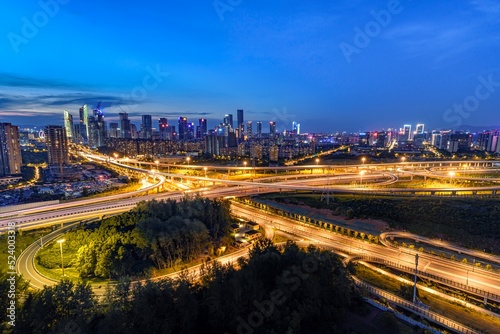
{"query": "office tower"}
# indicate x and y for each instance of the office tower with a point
(272, 128)
(249, 129)
(114, 130)
(133, 131)
(420, 129)
(68, 124)
(183, 128)
(84, 119)
(407, 132)
(125, 130)
(296, 128)
(202, 124)
(259, 129)
(146, 127)
(190, 131)
(163, 128)
(10, 150)
(241, 123)
(228, 120)
(97, 128)
(57, 144)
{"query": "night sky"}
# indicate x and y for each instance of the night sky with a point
(330, 65)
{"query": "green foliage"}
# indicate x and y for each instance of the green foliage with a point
(290, 290)
(155, 234)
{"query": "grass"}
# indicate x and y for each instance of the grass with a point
(466, 316)
(23, 240)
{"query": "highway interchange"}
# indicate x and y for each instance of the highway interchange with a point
(319, 178)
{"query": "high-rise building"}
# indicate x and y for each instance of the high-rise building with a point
(420, 129)
(241, 123)
(114, 130)
(97, 128)
(249, 129)
(183, 128)
(259, 129)
(125, 129)
(68, 124)
(57, 144)
(10, 150)
(272, 128)
(407, 132)
(146, 127)
(163, 128)
(228, 120)
(133, 131)
(202, 124)
(84, 119)
(296, 128)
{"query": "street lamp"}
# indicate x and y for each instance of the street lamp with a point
(451, 174)
(403, 159)
(317, 162)
(188, 159)
(60, 241)
(363, 159)
(157, 163)
(361, 177)
(205, 169)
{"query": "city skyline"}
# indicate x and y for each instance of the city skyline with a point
(386, 64)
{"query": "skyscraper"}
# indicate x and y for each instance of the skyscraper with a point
(183, 128)
(57, 144)
(241, 123)
(146, 127)
(84, 119)
(114, 131)
(201, 130)
(97, 128)
(407, 132)
(420, 129)
(125, 131)
(272, 128)
(68, 124)
(163, 128)
(228, 120)
(296, 128)
(249, 129)
(10, 150)
(259, 129)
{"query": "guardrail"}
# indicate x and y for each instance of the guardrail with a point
(429, 315)
(444, 281)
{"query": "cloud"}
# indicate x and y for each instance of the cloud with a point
(13, 80)
(487, 6)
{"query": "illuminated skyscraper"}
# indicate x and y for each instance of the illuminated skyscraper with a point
(57, 144)
(407, 132)
(146, 127)
(201, 130)
(228, 120)
(272, 128)
(259, 129)
(249, 129)
(420, 129)
(183, 128)
(125, 130)
(241, 123)
(68, 124)
(10, 150)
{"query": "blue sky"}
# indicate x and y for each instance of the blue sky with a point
(278, 60)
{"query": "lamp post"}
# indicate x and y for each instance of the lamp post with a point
(157, 163)
(205, 181)
(60, 241)
(363, 159)
(451, 174)
(361, 177)
(317, 161)
(403, 159)
(188, 159)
